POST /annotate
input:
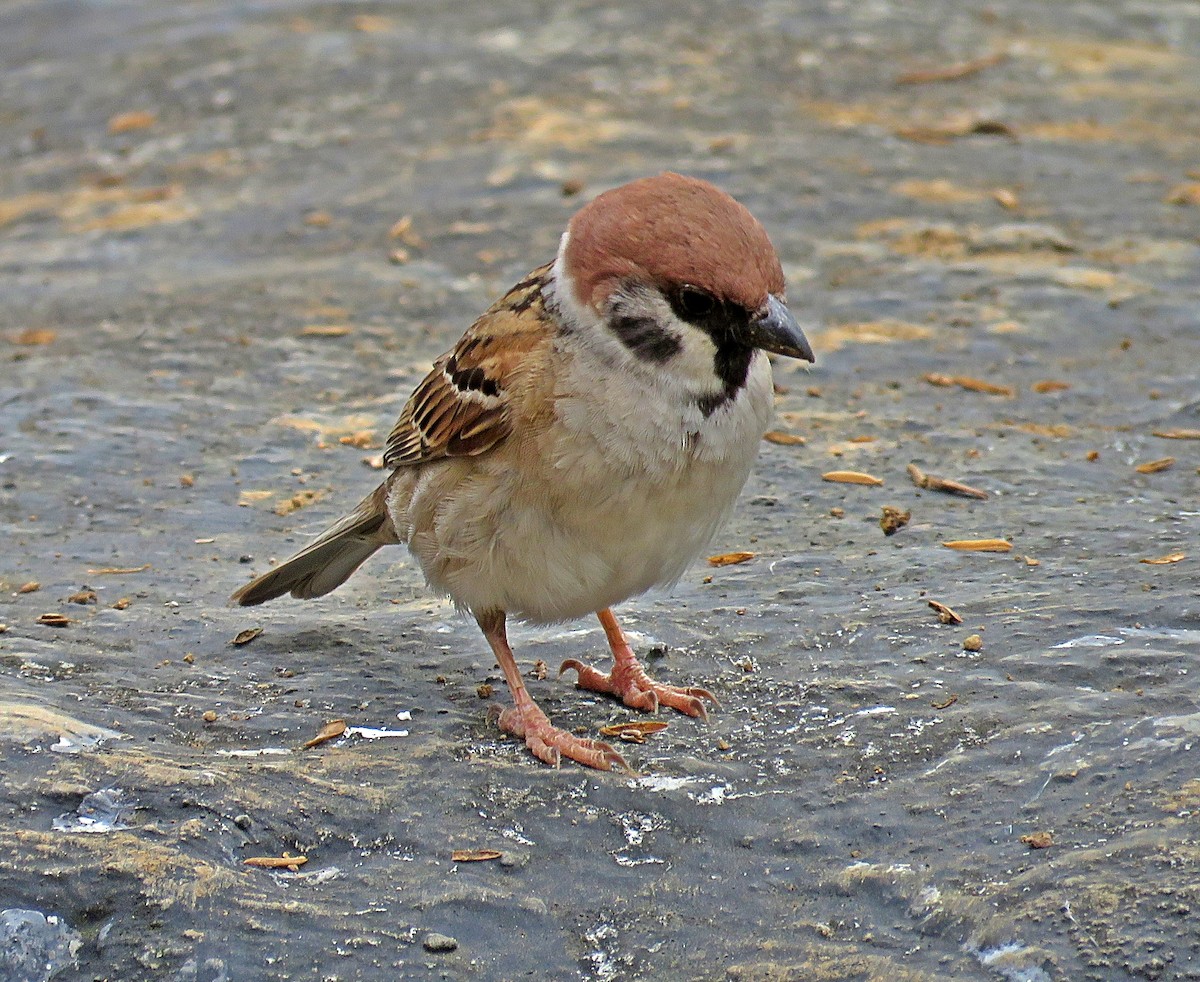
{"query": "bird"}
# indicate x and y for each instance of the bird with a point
(584, 440)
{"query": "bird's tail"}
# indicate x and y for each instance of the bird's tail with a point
(328, 562)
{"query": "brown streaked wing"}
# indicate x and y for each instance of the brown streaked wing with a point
(462, 408)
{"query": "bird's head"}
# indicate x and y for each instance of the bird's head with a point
(681, 275)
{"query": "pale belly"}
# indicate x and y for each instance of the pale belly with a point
(610, 510)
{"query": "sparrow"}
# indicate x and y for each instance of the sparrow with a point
(584, 440)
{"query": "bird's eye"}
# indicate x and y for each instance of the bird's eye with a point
(695, 303)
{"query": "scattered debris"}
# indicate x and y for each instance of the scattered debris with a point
(246, 636)
(945, 614)
(979, 545)
(118, 570)
(970, 384)
(129, 122)
(893, 519)
(1050, 385)
(931, 482)
(330, 731)
(954, 72)
(945, 703)
(784, 439)
(1166, 560)
(436, 943)
(634, 731)
(1154, 466)
(325, 330)
(851, 477)
(101, 811)
(34, 336)
(730, 558)
(475, 855)
(286, 861)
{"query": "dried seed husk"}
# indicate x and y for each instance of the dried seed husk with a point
(852, 477)
(1154, 466)
(730, 558)
(979, 545)
(1166, 560)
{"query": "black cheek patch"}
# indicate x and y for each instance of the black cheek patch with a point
(646, 338)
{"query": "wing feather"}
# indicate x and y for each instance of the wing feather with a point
(465, 405)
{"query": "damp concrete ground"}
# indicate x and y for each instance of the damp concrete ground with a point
(234, 236)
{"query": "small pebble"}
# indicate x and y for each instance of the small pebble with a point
(972, 642)
(439, 942)
(210, 716)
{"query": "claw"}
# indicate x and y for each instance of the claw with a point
(550, 744)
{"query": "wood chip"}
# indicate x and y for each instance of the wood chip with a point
(893, 519)
(1178, 434)
(1038, 840)
(246, 636)
(31, 587)
(979, 545)
(475, 855)
(54, 620)
(851, 477)
(1050, 385)
(784, 439)
(730, 558)
(944, 704)
(954, 72)
(1154, 466)
(118, 570)
(82, 597)
(1166, 560)
(286, 861)
(932, 482)
(945, 614)
(330, 731)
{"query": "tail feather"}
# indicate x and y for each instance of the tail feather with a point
(330, 559)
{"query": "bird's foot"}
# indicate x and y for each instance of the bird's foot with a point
(629, 681)
(550, 744)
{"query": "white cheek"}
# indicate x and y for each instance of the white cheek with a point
(695, 359)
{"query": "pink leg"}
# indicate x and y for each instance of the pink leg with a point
(526, 720)
(629, 680)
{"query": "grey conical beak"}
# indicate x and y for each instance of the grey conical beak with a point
(775, 329)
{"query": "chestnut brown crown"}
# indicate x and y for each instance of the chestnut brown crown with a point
(668, 231)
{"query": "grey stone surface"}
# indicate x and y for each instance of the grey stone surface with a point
(176, 386)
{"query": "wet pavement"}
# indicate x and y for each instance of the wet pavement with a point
(232, 237)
